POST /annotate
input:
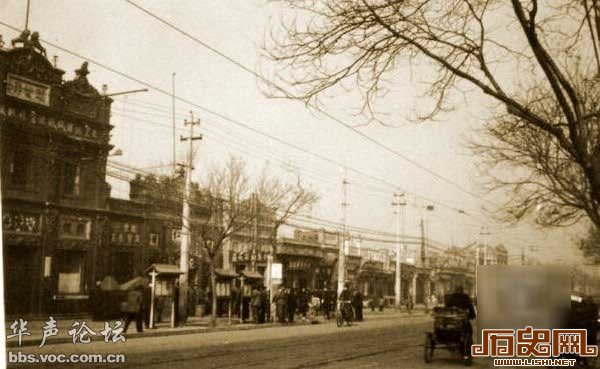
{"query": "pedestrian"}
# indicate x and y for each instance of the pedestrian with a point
(292, 304)
(132, 309)
(264, 305)
(334, 298)
(255, 303)
(381, 301)
(357, 304)
(176, 303)
(303, 301)
(409, 304)
(234, 296)
(374, 302)
(326, 302)
(146, 297)
(281, 302)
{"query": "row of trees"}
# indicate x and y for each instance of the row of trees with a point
(229, 202)
(537, 63)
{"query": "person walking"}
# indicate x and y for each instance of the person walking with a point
(280, 299)
(234, 298)
(132, 309)
(255, 304)
(292, 304)
(357, 304)
(326, 302)
(303, 301)
(409, 304)
(264, 305)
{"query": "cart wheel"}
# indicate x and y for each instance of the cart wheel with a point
(467, 357)
(429, 347)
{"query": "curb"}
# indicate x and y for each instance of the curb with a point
(202, 329)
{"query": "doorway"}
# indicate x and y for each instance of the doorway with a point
(19, 274)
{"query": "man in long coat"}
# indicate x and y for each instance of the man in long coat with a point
(357, 304)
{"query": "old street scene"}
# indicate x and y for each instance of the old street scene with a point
(300, 183)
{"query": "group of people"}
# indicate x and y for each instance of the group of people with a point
(259, 304)
(289, 302)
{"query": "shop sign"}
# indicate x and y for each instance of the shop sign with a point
(276, 271)
(36, 118)
(27, 90)
(17, 222)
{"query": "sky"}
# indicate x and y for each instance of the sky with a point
(116, 34)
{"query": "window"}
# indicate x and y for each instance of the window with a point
(18, 168)
(75, 227)
(71, 179)
(125, 233)
(70, 273)
(176, 234)
(154, 240)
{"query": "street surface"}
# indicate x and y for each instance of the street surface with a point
(394, 342)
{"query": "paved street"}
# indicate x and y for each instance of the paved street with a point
(383, 343)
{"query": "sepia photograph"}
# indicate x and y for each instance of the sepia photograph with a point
(290, 184)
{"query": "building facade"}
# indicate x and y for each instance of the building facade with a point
(55, 142)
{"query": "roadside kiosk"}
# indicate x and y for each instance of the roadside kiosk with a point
(249, 280)
(225, 278)
(163, 277)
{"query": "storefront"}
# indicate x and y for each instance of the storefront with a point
(301, 260)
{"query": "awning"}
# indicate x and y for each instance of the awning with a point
(164, 269)
(226, 273)
(252, 275)
(135, 283)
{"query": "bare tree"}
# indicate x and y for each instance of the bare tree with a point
(285, 199)
(535, 60)
(227, 196)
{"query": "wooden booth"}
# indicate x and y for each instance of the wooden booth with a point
(163, 284)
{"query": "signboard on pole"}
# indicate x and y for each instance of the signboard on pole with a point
(277, 271)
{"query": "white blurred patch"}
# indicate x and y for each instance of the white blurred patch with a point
(513, 297)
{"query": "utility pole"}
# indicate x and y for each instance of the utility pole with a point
(186, 233)
(254, 254)
(27, 16)
(399, 203)
(342, 251)
(174, 125)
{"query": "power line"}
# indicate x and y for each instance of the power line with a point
(433, 201)
(227, 118)
(328, 115)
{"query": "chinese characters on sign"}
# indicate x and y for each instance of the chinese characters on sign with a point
(80, 332)
(21, 223)
(25, 89)
(533, 342)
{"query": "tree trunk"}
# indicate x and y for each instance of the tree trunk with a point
(213, 288)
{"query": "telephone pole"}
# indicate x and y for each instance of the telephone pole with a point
(342, 251)
(399, 203)
(186, 233)
(173, 121)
